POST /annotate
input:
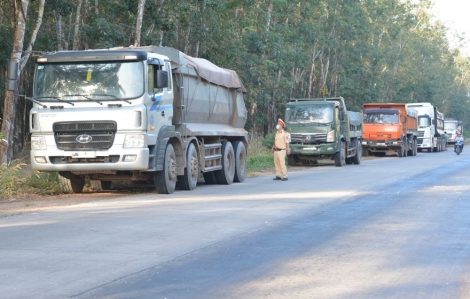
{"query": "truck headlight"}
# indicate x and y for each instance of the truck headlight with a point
(38, 143)
(134, 141)
(330, 137)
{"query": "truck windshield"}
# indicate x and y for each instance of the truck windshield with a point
(90, 81)
(309, 114)
(380, 118)
(450, 125)
(424, 121)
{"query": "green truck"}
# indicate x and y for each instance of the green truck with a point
(321, 129)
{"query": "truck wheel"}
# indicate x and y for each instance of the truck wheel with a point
(70, 183)
(415, 148)
(165, 180)
(291, 160)
(226, 174)
(357, 157)
(188, 181)
(209, 178)
(240, 162)
(401, 151)
(365, 152)
(340, 157)
(410, 149)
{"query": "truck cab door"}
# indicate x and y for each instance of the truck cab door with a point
(160, 90)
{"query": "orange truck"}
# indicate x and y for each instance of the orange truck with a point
(389, 128)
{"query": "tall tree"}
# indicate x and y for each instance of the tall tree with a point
(138, 26)
(13, 141)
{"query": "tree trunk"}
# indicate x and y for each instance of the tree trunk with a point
(76, 33)
(33, 35)
(11, 126)
(138, 26)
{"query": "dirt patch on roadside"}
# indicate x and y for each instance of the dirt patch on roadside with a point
(22, 205)
(16, 206)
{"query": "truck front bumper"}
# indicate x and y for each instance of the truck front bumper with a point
(313, 149)
(114, 159)
(425, 143)
(381, 144)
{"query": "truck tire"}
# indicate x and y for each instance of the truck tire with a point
(401, 151)
(226, 174)
(410, 149)
(188, 181)
(357, 157)
(209, 178)
(365, 152)
(165, 180)
(240, 162)
(70, 183)
(291, 160)
(340, 157)
(415, 147)
(100, 185)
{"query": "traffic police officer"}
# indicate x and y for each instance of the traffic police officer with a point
(280, 149)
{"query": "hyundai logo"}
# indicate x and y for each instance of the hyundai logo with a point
(83, 138)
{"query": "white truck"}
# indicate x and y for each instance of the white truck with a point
(451, 127)
(430, 127)
(148, 115)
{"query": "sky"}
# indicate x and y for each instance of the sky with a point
(454, 14)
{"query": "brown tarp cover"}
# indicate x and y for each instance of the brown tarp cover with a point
(214, 74)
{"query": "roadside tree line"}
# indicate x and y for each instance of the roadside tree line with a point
(364, 51)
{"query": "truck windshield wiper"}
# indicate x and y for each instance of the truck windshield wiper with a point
(58, 99)
(111, 96)
(85, 96)
(296, 123)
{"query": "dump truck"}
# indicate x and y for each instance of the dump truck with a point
(430, 127)
(451, 127)
(390, 128)
(150, 115)
(323, 129)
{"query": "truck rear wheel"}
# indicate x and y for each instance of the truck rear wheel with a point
(240, 162)
(209, 178)
(340, 156)
(188, 181)
(226, 174)
(70, 183)
(165, 180)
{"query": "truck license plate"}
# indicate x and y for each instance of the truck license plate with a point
(310, 148)
(84, 155)
(381, 144)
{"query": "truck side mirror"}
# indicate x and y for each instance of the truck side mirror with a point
(160, 79)
(12, 75)
(405, 119)
(341, 113)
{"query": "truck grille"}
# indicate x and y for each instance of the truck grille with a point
(420, 133)
(84, 136)
(308, 138)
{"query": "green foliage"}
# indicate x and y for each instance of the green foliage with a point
(16, 180)
(268, 141)
(365, 51)
(260, 163)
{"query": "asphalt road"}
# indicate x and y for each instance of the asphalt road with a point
(388, 228)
